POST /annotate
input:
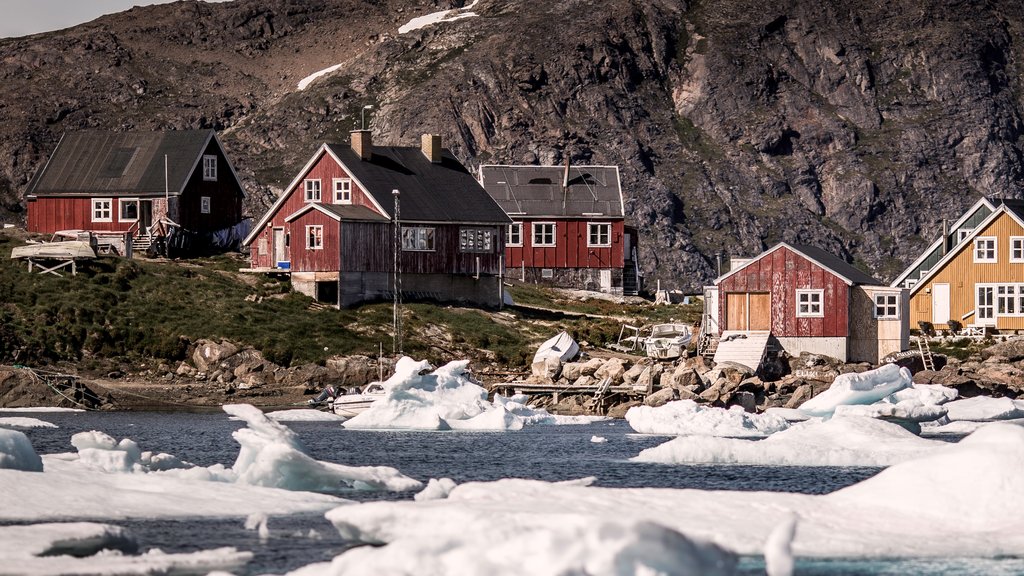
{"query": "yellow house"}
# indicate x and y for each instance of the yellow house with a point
(980, 281)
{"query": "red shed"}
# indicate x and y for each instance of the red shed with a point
(139, 184)
(333, 229)
(811, 301)
(568, 226)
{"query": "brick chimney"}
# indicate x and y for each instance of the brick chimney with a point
(362, 144)
(430, 145)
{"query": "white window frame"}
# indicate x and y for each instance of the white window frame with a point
(342, 188)
(209, 168)
(120, 209)
(985, 313)
(994, 249)
(591, 226)
(476, 240)
(812, 295)
(315, 242)
(910, 283)
(517, 228)
(536, 227)
(312, 191)
(419, 238)
(97, 206)
(1019, 248)
(962, 234)
(889, 305)
(204, 204)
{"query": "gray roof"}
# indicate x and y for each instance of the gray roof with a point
(441, 192)
(837, 265)
(342, 211)
(94, 162)
(1012, 204)
(538, 191)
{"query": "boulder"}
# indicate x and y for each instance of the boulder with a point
(745, 399)
(807, 360)
(185, 370)
(590, 367)
(547, 369)
(700, 364)
(614, 368)
(310, 376)
(584, 381)
(1002, 374)
(661, 397)
(687, 378)
(572, 370)
(629, 377)
(1012, 350)
(619, 410)
(650, 377)
(802, 394)
(359, 370)
(208, 353)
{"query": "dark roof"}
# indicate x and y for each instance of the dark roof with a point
(837, 265)
(342, 211)
(121, 162)
(538, 190)
(441, 192)
(1012, 204)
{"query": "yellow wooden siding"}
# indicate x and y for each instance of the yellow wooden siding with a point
(962, 274)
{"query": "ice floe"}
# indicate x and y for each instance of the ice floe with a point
(41, 409)
(859, 388)
(23, 422)
(304, 415)
(436, 489)
(840, 441)
(984, 408)
(438, 17)
(916, 508)
(686, 417)
(418, 397)
(16, 452)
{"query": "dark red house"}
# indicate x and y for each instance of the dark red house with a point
(568, 226)
(139, 183)
(333, 230)
(811, 301)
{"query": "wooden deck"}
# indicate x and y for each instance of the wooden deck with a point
(746, 348)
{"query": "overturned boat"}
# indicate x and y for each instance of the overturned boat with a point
(668, 341)
(560, 346)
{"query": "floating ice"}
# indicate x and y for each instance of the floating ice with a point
(598, 439)
(258, 521)
(926, 394)
(447, 398)
(16, 452)
(907, 410)
(436, 489)
(304, 415)
(271, 455)
(859, 388)
(778, 550)
(72, 538)
(686, 417)
(22, 422)
(840, 441)
(41, 409)
(984, 408)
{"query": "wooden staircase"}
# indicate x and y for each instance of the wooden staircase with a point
(630, 280)
(707, 345)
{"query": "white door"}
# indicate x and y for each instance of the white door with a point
(711, 310)
(280, 255)
(940, 303)
(606, 280)
(984, 306)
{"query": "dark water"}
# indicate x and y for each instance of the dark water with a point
(543, 452)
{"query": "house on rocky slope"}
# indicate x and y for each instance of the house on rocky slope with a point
(979, 280)
(804, 299)
(354, 212)
(136, 185)
(568, 226)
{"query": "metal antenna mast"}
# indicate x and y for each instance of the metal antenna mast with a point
(396, 345)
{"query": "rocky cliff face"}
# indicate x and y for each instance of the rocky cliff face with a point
(856, 127)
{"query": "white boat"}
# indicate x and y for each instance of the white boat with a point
(560, 346)
(668, 341)
(349, 405)
(55, 250)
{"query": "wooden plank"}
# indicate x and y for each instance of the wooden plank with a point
(736, 307)
(760, 311)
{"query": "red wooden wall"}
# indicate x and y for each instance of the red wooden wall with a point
(326, 259)
(782, 273)
(368, 247)
(570, 250)
(48, 215)
(326, 169)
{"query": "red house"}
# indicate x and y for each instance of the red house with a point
(808, 300)
(568, 226)
(334, 228)
(136, 183)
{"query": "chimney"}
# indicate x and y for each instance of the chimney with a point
(565, 173)
(430, 145)
(362, 144)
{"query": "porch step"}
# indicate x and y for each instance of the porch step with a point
(630, 282)
(746, 348)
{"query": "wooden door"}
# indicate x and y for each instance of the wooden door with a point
(760, 309)
(736, 311)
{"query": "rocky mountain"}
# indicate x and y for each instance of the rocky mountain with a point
(854, 126)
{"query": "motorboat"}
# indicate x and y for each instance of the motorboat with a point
(355, 402)
(668, 341)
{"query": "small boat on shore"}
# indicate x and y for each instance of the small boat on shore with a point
(353, 403)
(560, 346)
(668, 341)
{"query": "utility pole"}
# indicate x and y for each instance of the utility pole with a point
(396, 345)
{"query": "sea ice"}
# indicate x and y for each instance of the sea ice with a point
(436, 489)
(984, 408)
(598, 439)
(778, 550)
(23, 422)
(447, 398)
(17, 453)
(41, 409)
(859, 388)
(926, 394)
(840, 441)
(71, 538)
(686, 417)
(304, 415)
(907, 410)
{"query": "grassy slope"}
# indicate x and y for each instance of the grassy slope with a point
(119, 310)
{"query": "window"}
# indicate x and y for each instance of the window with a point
(910, 282)
(1016, 248)
(547, 273)
(204, 204)
(101, 211)
(808, 303)
(314, 237)
(128, 211)
(475, 239)
(515, 234)
(417, 238)
(962, 234)
(599, 234)
(261, 247)
(342, 190)
(543, 233)
(209, 167)
(984, 309)
(985, 249)
(887, 306)
(312, 190)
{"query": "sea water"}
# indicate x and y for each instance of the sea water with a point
(549, 453)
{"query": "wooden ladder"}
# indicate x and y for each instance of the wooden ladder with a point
(598, 399)
(708, 345)
(926, 353)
